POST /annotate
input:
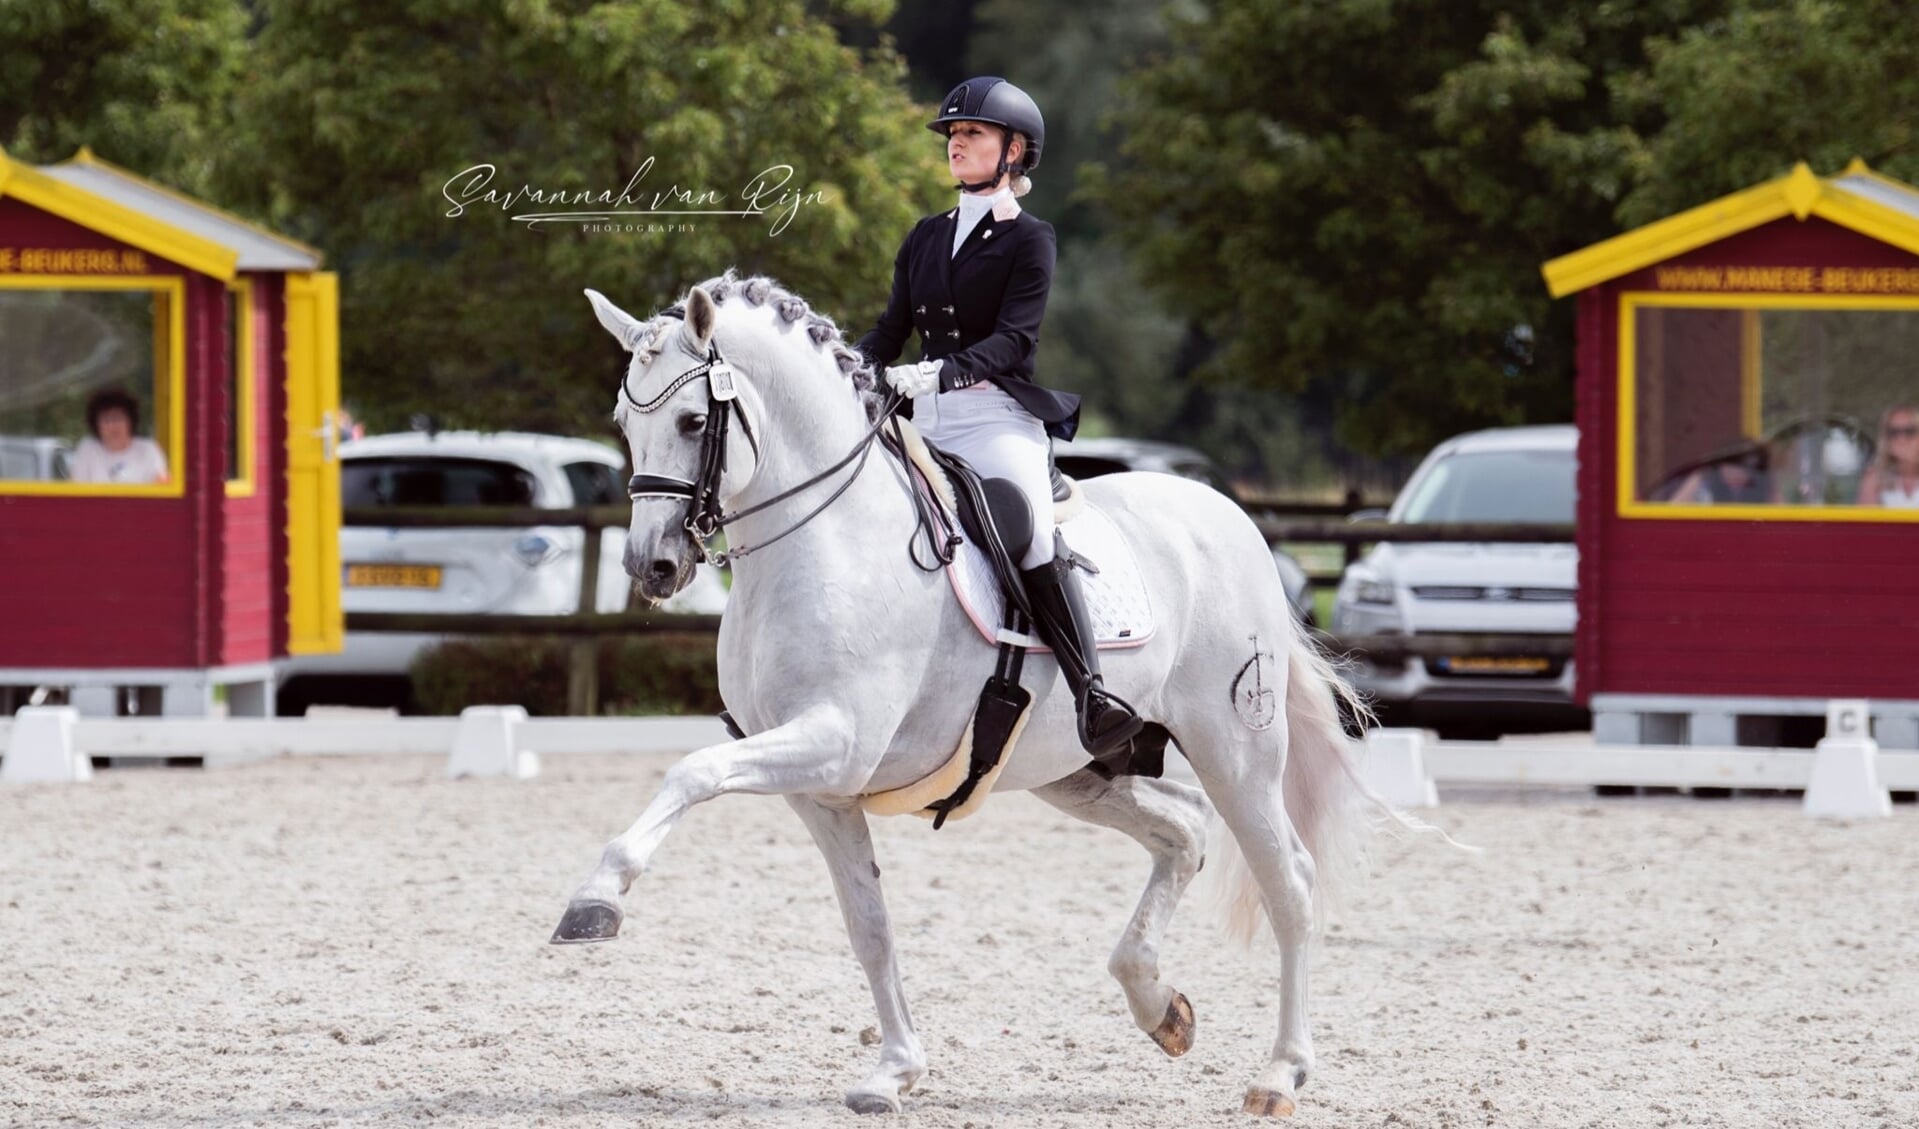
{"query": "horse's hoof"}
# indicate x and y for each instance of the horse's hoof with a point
(869, 1101)
(1175, 1033)
(586, 922)
(1267, 1103)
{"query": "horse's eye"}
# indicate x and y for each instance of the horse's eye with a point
(692, 424)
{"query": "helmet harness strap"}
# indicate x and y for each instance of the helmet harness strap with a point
(1005, 146)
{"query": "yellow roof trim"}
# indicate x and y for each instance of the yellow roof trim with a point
(87, 158)
(1802, 191)
(30, 186)
(1858, 167)
(1869, 218)
(1661, 240)
(1800, 194)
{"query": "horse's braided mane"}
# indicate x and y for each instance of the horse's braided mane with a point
(760, 291)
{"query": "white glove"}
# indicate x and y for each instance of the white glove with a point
(914, 380)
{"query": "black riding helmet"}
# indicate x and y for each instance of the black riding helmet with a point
(996, 102)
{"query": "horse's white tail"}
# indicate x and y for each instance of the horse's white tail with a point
(1327, 802)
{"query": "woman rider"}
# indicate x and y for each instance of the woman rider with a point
(973, 282)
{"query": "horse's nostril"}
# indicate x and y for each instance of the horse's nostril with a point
(662, 571)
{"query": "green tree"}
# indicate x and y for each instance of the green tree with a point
(143, 82)
(1353, 197)
(1106, 337)
(356, 115)
(1774, 83)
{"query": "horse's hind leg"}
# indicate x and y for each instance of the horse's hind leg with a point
(1168, 819)
(843, 838)
(1242, 773)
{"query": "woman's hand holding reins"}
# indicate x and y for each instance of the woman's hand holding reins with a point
(914, 380)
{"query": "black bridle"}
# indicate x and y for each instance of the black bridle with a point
(705, 515)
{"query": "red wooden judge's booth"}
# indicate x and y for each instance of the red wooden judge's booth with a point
(1748, 522)
(192, 583)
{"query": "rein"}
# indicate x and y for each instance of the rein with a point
(705, 515)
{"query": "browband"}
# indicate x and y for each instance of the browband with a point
(722, 378)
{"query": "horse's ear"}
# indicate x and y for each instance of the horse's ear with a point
(701, 316)
(625, 328)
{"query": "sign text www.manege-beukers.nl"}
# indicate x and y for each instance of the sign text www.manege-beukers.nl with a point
(1791, 280)
(71, 260)
(767, 194)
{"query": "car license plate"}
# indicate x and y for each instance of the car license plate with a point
(1508, 665)
(392, 576)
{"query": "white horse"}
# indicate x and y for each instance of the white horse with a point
(854, 671)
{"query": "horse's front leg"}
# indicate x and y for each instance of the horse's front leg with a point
(844, 839)
(812, 753)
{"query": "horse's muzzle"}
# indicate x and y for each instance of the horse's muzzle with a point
(657, 577)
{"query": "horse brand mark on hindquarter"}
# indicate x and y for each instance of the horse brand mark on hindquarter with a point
(1252, 701)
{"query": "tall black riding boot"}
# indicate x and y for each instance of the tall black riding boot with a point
(1106, 722)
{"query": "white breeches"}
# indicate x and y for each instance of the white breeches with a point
(1001, 439)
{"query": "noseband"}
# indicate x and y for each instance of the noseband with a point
(705, 516)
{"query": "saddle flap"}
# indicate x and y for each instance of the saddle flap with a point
(1012, 517)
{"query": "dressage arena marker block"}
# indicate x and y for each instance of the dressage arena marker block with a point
(486, 744)
(1396, 768)
(40, 750)
(1845, 777)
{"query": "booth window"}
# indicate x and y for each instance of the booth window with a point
(90, 386)
(1772, 405)
(242, 419)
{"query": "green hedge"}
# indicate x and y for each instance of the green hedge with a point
(639, 674)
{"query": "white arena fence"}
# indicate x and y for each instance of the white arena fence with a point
(53, 743)
(1847, 776)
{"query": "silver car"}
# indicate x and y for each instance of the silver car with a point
(1517, 474)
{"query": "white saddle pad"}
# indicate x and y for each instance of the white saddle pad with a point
(1115, 596)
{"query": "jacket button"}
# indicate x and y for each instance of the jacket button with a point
(952, 333)
(948, 309)
(922, 309)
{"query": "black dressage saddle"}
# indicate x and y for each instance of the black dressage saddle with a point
(996, 516)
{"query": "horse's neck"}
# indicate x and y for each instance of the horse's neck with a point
(873, 514)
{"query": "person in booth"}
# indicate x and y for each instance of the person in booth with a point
(973, 282)
(114, 452)
(1893, 477)
(1733, 479)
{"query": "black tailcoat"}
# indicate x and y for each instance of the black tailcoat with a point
(978, 310)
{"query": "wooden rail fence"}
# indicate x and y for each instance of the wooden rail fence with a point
(1278, 524)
